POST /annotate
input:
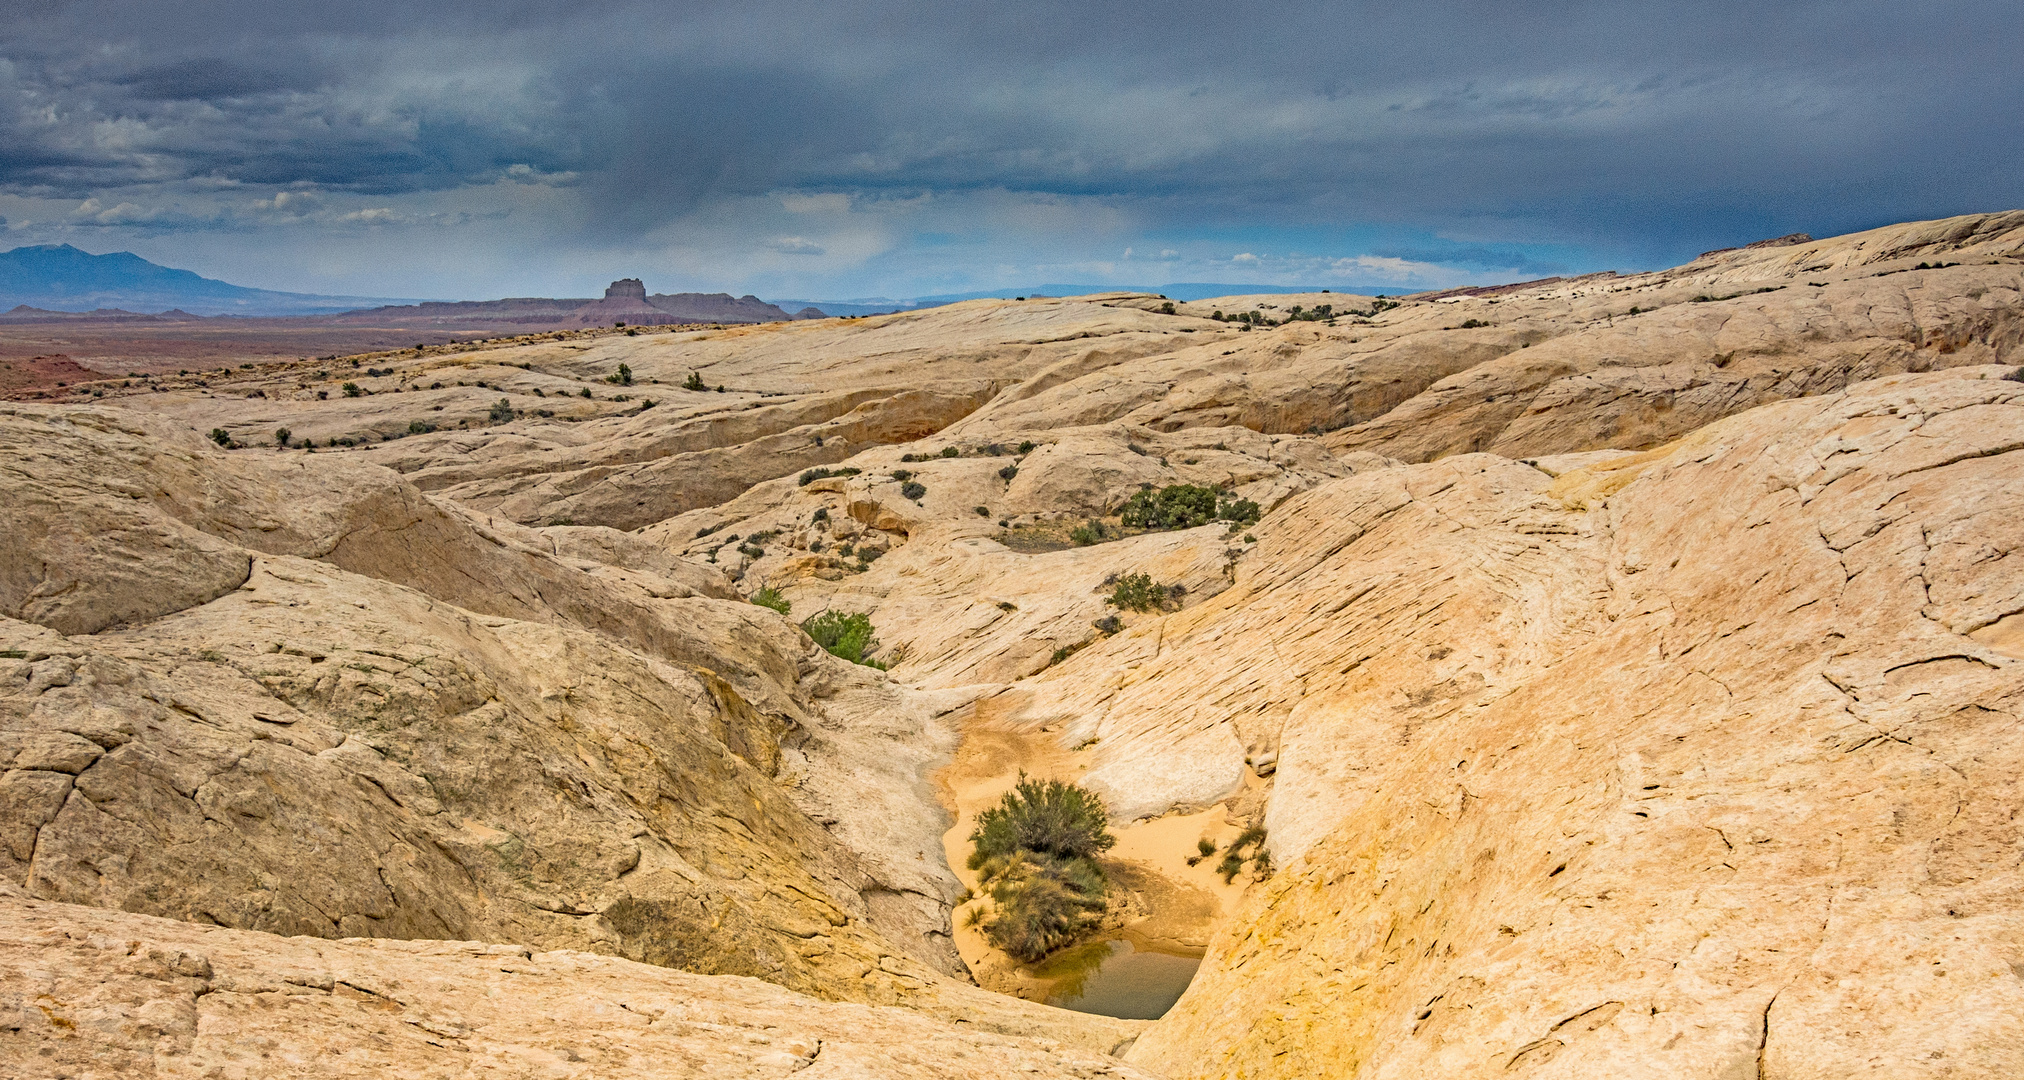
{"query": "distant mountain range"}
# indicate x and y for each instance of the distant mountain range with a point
(55, 278)
(60, 282)
(59, 277)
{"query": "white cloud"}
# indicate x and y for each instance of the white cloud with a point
(92, 212)
(1388, 268)
(794, 245)
(825, 203)
(1246, 257)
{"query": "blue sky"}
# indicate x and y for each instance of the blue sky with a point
(842, 149)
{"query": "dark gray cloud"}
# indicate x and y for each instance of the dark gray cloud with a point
(1478, 135)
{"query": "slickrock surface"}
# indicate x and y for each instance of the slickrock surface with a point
(438, 730)
(101, 993)
(1717, 778)
(1623, 692)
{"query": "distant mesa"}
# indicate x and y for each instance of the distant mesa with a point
(626, 301)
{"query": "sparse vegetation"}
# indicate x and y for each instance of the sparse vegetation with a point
(1185, 506)
(221, 437)
(501, 411)
(846, 635)
(812, 475)
(282, 435)
(1035, 852)
(1234, 858)
(694, 382)
(351, 389)
(622, 377)
(913, 489)
(1089, 532)
(769, 597)
(1139, 592)
(1026, 447)
(1008, 472)
(950, 451)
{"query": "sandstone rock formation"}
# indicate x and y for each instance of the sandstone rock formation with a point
(1622, 691)
(96, 993)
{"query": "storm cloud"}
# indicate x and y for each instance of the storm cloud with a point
(835, 148)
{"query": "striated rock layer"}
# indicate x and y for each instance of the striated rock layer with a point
(1715, 777)
(98, 993)
(1624, 669)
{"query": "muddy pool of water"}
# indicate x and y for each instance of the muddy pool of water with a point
(1114, 977)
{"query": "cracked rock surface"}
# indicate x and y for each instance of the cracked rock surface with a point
(85, 992)
(1624, 670)
(1715, 775)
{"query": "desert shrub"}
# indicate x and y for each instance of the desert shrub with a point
(1471, 324)
(1137, 592)
(769, 597)
(846, 635)
(950, 451)
(417, 427)
(585, 392)
(1008, 472)
(1176, 506)
(621, 377)
(1087, 533)
(221, 437)
(1109, 624)
(821, 514)
(1167, 308)
(1035, 851)
(813, 475)
(1229, 867)
(1206, 847)
(351, 389)
(1026, 447)
(502, 411)
(1185, 506)
(1046, 818)
(694, 382)
(1237, 511)
(913, 489)
(903, 474)
(752, 550)
(1042, 904)
(982, 511)
(282, 435)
